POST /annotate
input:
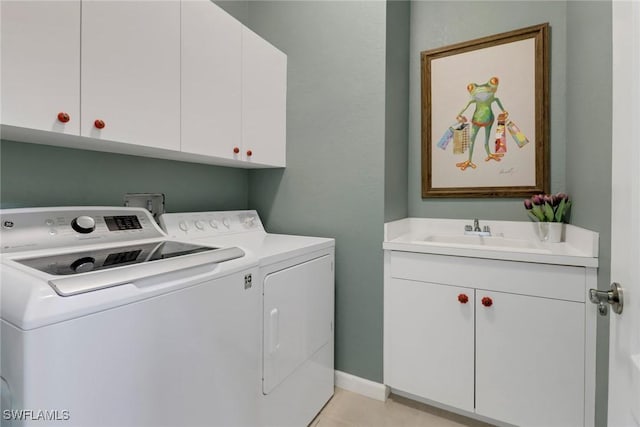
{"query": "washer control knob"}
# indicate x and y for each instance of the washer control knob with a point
(83, 265)
(183, 226)
(83, 224)
(213, 223)
(199, 224)
(226, 223)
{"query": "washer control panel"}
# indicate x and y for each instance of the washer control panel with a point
(205, 224)
(42, 228)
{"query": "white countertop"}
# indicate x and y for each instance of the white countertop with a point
(578, 248)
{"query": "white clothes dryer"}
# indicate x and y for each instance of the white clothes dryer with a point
(106, 322)
(296, 278)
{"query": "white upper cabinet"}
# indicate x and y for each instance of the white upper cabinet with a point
(264, 101)
(41, 65)
(174, 79)
(211, 81)
(131, 72)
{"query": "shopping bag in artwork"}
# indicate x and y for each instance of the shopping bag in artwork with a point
(446, 138)
(461, 138)
(517, 134)
(501, 137)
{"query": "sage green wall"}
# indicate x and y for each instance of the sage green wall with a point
(334, 181)
(239, 9)
(440, 23)
(39, 175)
(589, 73)
(397, 111)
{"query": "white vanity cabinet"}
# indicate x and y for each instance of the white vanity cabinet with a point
(41, 65)
(130, 78)
(490, 334)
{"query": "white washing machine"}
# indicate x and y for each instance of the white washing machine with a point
(296, 279)
(106, 322)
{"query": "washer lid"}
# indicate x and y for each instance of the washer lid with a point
(80, 272)
(66, 264)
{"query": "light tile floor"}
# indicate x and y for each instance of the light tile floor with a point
(348, 409)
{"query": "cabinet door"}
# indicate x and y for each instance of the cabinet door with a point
(131, 71)
(41, 64)
(429, 341)
(264, 101)
(211, 81)
(530, 360)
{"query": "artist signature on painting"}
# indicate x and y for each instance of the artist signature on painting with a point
(510, 171)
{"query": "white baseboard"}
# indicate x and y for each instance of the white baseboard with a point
(362, 386)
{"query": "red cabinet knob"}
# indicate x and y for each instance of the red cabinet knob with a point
(487, 302)
(63, 117)
(249, 153)
(99, 124)
(236, 150)
(463, 298)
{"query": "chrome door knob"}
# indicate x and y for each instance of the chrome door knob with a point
(613, 297)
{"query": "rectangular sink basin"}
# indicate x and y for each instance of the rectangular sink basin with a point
(498, 243)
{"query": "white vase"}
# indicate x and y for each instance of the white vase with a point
(555, 232)
(543, 231)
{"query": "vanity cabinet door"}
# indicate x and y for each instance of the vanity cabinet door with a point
(131, 72)
(41, 65)
(530, 359)
(211, 81)
(429, 341)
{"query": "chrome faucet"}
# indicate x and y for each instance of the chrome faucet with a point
(475, 229)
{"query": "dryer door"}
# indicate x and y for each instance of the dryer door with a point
(298, 317)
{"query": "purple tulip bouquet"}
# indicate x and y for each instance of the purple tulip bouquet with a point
(548, 207)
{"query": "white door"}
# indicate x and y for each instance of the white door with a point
(624, 344)
(211, 81)
(41, 65)
(298, 316)
(131, 72)
(264, 101)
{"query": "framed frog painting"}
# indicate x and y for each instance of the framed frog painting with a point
(485, 116)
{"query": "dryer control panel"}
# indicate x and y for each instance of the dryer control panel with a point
(209, 224)
(43, 228)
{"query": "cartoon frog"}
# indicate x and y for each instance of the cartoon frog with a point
(483, 96)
